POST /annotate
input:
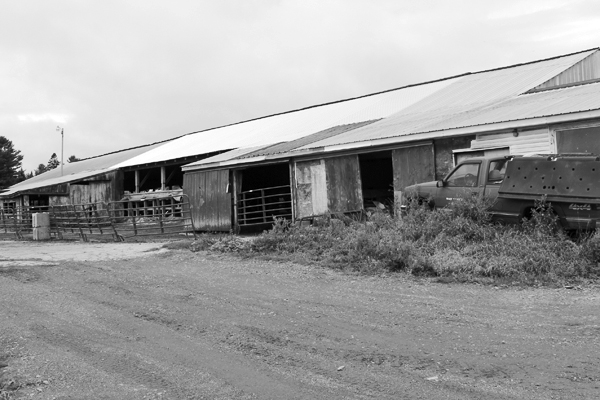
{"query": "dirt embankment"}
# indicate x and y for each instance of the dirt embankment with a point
(116, 321)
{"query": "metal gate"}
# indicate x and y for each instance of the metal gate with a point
(120, 219)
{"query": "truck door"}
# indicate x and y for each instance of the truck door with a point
(494, 177)
(461, 183)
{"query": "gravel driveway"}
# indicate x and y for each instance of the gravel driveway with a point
(136, 321)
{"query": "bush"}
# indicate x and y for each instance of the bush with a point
(459, 243)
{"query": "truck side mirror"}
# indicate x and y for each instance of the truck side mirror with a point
(440, 184)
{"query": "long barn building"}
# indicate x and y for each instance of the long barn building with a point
(348, 155)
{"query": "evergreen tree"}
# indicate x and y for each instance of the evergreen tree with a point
(10, 163)
(52, 162)
(73, 158)
(40, 169)
(21, 176)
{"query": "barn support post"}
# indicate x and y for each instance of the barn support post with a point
(292, 190)
(237, 183)
(137, 180)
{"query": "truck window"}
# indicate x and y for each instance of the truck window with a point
(497, 171)
(464, 176)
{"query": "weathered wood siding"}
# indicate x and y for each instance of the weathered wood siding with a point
(412, 165)
(311, 188)
(344, 188)
(98, 189)
(210, 202)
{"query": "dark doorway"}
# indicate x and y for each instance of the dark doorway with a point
(377, 176)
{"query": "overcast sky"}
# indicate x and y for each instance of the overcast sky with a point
(118, 74)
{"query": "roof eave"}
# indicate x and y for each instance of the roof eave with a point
(470, 130)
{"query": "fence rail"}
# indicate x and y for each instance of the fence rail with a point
(169, 215)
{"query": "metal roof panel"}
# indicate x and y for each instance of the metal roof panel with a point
(290, 126)
(466, 94)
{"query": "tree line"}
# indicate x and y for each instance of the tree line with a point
(11, 170)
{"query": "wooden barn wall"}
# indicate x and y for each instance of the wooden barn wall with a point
(311, 188)
(99, 189)
(344, 188)
(415, 164)
(210, 202)
(443, 153)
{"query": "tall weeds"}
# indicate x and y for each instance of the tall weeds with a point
(459, 242)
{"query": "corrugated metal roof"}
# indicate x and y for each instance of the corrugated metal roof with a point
(77, 170)
(278, 148)
(535, 105)
(290, 126)
(229, 155)
(466, 94)
(471, 99)
(304, 141)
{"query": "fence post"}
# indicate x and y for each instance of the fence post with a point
(134, 222)
(17, 230)
(3, 220)
(110, 219)
(83, 236)
(57, 222)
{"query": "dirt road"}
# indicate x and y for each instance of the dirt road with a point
(138, 323)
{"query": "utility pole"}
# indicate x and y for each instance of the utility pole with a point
(62, 147)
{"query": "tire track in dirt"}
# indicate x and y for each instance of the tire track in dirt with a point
(183, 325)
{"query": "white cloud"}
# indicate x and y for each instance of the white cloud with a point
(58, 118)
(523, 8)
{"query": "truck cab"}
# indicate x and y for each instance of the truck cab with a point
(478, 176)
(568, 182)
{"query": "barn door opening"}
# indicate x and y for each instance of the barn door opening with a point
(262, 194)
(377, 175)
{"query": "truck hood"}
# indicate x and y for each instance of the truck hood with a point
(422, 189)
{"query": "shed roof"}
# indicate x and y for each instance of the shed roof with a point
(469, 100)
(291, 125)
(261, 152)
(569, 100)
(467, 95)
(75, 171)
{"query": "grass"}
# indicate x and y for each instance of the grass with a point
(459, 243)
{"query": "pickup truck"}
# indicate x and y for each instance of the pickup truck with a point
(569, 182)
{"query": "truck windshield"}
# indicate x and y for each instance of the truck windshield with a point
(464, 176)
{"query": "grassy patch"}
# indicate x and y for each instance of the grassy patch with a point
(457, 244)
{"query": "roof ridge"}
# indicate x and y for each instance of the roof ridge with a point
(348, 99)
(535, 61)
(384, 91)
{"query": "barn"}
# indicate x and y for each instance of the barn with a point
(345, 156)
(546, 106)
